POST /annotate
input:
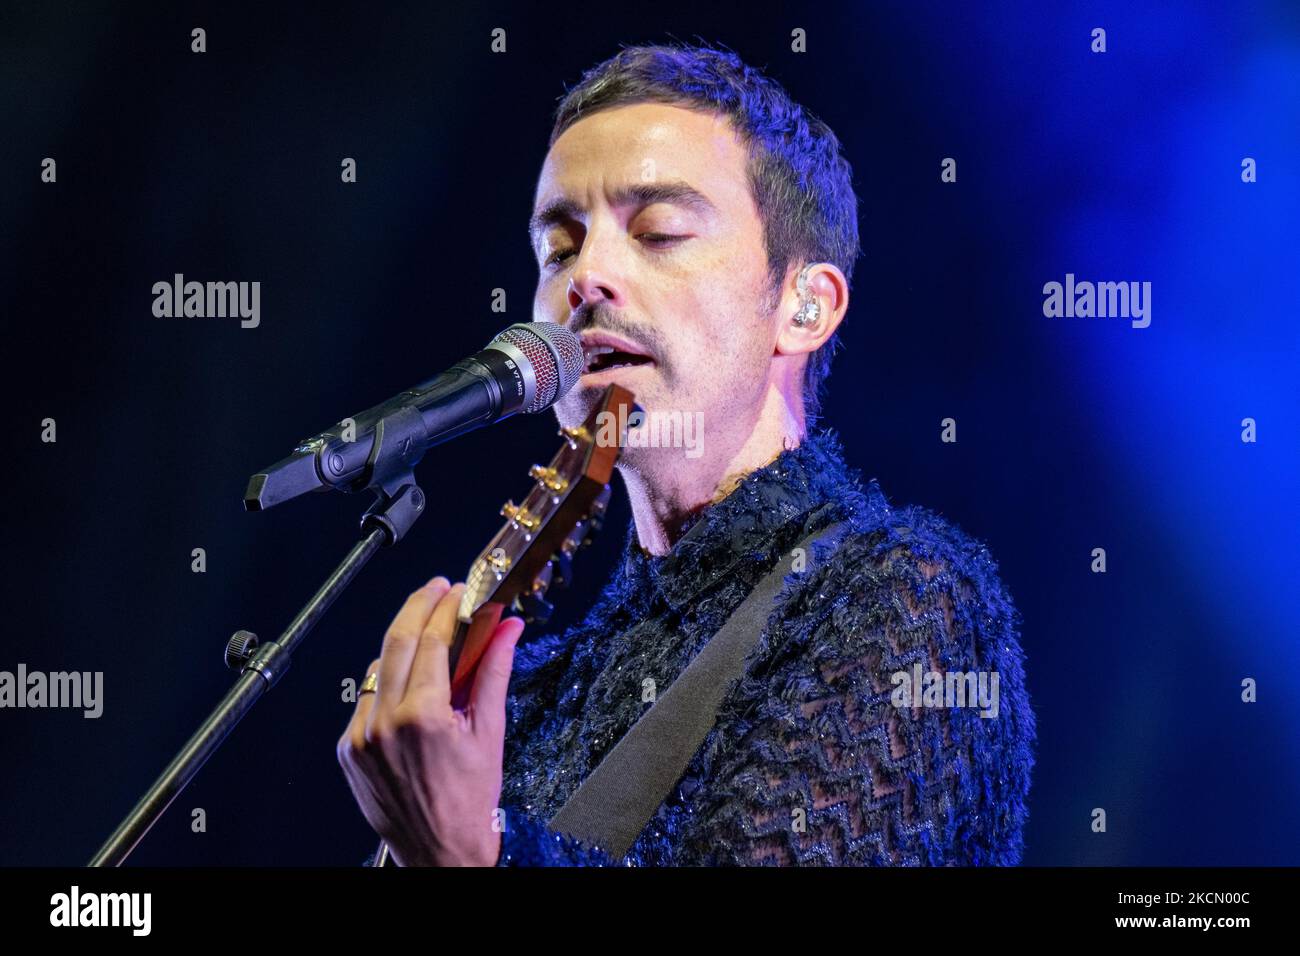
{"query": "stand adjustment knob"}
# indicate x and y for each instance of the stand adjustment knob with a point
(239, 649)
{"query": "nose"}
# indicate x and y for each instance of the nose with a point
(595, 275)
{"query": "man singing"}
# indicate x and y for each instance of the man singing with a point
(698, 229)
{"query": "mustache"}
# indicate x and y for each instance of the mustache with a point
(598, 318)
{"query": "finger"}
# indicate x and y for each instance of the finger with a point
(356, 729)
(429, 669)
(400, 644)
(487, 700)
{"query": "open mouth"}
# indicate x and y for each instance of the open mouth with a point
(601, 358)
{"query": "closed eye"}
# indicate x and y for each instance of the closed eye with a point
(658, 240)
(659, 237)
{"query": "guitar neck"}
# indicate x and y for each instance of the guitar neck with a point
(467, 647)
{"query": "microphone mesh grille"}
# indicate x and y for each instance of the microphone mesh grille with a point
(556, 355)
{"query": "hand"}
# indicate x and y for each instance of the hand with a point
(426, 776)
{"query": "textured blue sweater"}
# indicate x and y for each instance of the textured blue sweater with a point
(818, 757)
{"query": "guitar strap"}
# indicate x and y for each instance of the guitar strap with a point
(617, 799)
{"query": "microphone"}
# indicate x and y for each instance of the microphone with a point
(528, 367)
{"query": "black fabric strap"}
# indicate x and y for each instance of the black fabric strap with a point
(618, 798)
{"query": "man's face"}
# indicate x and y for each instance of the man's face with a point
(645, 229)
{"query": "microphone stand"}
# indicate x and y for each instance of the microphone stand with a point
(400, 501)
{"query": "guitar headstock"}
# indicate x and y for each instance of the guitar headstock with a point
(533, 550)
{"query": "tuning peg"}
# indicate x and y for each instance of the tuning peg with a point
(573, 540)
(549, 479)
(520, 516)
(561, 570)
(535, 608)
(498, 562)
(574, 435)
(593, 526)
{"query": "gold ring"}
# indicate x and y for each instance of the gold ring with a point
(370, 684)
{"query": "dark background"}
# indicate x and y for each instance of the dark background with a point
(1073, 433)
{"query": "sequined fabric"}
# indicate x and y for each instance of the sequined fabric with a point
(810, 762)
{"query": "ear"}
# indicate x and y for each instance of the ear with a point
(828, 287)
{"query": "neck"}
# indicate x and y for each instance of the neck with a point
(666, 488)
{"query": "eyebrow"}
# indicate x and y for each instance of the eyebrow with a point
(675, 192)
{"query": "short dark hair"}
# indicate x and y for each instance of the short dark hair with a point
(801, 184)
